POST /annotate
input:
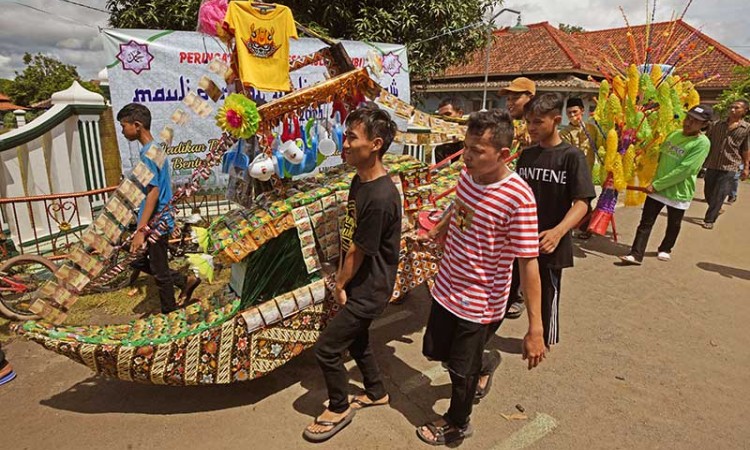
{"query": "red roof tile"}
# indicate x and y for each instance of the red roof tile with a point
(720, 61)
(542, 49)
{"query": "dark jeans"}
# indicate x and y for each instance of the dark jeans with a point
(718, 185)
(346, 331)
(461, 344)
(155, 262)
(651, 210)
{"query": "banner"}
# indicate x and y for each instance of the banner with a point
(159, 69)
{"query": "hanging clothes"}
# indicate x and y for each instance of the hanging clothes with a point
(262, 44)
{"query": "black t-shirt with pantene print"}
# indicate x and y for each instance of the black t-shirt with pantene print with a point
(373, 223)
(558, 176)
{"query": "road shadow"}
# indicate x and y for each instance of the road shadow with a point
(599, 245)
(510, 345)
(411, 393)
(98, 395)
(725, 271)
(698, 221)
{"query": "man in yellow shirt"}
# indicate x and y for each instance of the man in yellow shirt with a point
(579, 134)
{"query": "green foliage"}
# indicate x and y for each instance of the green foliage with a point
(9, 120)
(570, 29)
(401, 22)
(739, 88)
(5, 85)
(42, 77)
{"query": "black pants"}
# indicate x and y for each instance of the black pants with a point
(460, 343)
(651, 210)
(3, 362)
(515, 295)
(155, 262)
(718, 185)
(347, 331)
(551, 281)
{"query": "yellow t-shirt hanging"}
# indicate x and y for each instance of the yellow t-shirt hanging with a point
(262, 42)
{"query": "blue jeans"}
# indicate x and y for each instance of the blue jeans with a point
(736, 183)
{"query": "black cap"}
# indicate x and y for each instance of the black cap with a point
(574, 102)
(702, 112)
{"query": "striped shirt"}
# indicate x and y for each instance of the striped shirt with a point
(490, 226)
(727, 146)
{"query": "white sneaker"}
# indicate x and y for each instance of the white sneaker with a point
(663, 256)
(630, 259)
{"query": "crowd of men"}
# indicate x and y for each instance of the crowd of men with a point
(507, 237)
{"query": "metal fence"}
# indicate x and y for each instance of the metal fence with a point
(51, 224)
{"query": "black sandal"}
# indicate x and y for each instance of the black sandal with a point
(445, 434)
(356, 403)
(494, 364)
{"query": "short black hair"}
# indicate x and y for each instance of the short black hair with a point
(744, 102)
(456, 102)
(498, 121)
(545, 104)
(573, 102)
(377, 123)
(135, 112)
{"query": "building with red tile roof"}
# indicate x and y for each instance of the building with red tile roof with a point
(7, 105)
(569, 63)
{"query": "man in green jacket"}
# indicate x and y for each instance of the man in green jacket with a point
(680, 160)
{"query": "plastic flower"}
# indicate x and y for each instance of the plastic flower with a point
(238, 116)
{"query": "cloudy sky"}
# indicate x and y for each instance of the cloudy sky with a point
(70, 33)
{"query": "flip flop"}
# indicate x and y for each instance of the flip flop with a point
(446, 434)
(7, 378)
(188, 293)
(482, 393)
(325, 435)
(357, 404)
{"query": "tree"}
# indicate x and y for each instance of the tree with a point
(739, 88)
(570, 29)
(400, 21)
(5, 85)
(42, 77)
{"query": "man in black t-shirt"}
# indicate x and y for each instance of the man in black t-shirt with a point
(560, 178)
(370, 243)
(449, 107)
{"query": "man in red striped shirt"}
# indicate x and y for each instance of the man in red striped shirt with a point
(492, 221)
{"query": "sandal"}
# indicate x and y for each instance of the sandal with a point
(445, 434)
(356, 403)
(490, 370)
(187, 294)
(325, 435)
